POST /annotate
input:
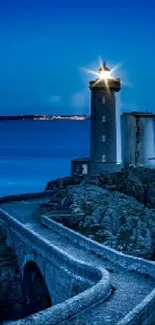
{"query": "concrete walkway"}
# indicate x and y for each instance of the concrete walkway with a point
(129, 288)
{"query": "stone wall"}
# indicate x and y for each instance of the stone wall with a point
(56, 266)
(129, 262)
(144, 313)
(26, 196)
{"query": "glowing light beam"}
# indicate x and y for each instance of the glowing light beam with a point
(105, 74)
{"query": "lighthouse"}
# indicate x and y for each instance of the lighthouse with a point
(105, 130)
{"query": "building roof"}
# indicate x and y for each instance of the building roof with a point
(83, 159)
(140, 114)
(103, 67)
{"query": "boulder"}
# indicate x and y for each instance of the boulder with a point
(113, 218)
(131, 185)
(137, 182)
(117, 209)
(63, 183)
(151, 195)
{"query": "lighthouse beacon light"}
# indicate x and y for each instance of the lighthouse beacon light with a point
(104, 73)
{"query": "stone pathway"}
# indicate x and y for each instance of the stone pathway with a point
(130, 288)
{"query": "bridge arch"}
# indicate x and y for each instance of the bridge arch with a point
(35, 290)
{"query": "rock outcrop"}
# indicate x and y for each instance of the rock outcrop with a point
(11, 297)
(137, 182)
(63, 183)
(110, 217)
(117, 209)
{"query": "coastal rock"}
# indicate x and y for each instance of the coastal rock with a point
(63, 183)
(151, 195)
(138, 182)
(112, 218)
(117, 209)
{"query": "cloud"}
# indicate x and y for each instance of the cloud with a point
(79, 102)
(54, 99)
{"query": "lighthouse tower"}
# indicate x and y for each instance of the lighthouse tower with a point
(105, 131)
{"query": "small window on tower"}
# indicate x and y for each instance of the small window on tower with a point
(137, 121)
(102, 100)
(103, 119)
(103, 158)
(103, 137)
(84, 169)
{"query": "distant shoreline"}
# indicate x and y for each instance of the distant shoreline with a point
(45, 117)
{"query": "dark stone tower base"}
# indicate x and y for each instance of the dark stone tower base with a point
(99, 167)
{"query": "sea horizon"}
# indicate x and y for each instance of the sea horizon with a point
(33, 153)
(43, 117)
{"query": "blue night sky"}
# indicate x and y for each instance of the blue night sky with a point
(45, 43)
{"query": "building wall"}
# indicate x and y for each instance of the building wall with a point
(103, 124)
(138, 139)
(99, 167)
(128, 139)
(80, 166)
(99, 128)
(119, 131)
(147, 142)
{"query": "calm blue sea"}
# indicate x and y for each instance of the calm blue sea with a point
(33, 152)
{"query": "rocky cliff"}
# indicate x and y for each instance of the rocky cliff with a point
(137, 182)
(117, 209)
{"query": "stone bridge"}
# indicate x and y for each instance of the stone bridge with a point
(72, 278)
